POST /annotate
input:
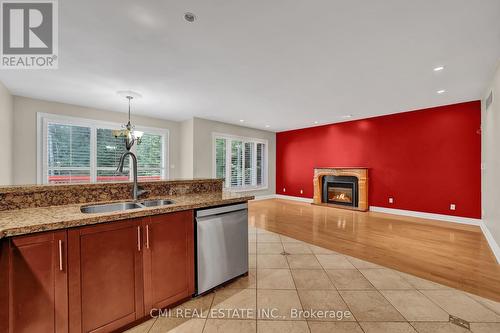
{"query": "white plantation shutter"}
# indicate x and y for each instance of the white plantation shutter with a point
(260, 164)
(74, 150)
(67, 153)
(240, 162)
(150, 157)
(236, 163)
(109, 151)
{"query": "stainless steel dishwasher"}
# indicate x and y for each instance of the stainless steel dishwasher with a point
(222, 245)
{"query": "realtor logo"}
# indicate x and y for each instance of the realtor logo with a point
(29, 34)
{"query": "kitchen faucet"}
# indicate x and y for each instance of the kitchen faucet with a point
(136, 190)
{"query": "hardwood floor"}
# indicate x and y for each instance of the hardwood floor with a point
(452, 254)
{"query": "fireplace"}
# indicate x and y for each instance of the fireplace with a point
(340, 190)
(345, 188)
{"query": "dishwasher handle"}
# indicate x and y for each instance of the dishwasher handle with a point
(221, 210)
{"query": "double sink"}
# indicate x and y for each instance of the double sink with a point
(121, 206)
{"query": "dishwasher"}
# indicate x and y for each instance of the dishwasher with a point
(222, 245)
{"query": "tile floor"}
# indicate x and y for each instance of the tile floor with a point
(356, 295)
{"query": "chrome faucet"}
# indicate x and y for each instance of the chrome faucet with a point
(136, 190)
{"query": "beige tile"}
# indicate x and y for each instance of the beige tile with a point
(286, 239)
(244, 282)
(325, 300)
(297, 248)
(360, 264)
(414, 306)
(305, 261)
(419, 283)
(334, 261)
(348, 279)
(385, 279)
(282, 301)
(429, 327)
(268, 238)
(234, 299)
(387, 327)
(230, 326)
(178, 325)
(271, 261)
(490, 304)
(457, 303)
(321, 250)
(252, 238)
(272, 278)
(485, 327)
(252, 261)
(198, 306)
(269, 248)
(370, 306)
(252, 247)
(334, 327)
(311, 279)
(264, 231)
(142, 328)
(276, 326)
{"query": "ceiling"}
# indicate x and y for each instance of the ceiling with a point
(282, 63)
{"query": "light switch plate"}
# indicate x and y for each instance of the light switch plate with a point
(452, 207)
(391, 200)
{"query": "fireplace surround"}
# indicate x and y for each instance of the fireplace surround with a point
(341, 187)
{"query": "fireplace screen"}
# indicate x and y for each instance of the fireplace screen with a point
(340, 190)
(342, 195)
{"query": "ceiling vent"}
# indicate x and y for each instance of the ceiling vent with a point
(488, 100)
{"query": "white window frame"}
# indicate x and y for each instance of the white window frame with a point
(44, 118)
(227, 180)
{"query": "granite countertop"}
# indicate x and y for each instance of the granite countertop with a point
(31, 220)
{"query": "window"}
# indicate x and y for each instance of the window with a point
(241, 162)
(73, 150)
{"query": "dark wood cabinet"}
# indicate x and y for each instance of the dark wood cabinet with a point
(96, 278)
(168, 259)
(37, 280)
(105, 274)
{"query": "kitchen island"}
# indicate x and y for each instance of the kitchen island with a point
(63, 270)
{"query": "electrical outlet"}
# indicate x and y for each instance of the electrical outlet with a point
(452, 207)
(284, 189)
(301, 191)
(391, 200)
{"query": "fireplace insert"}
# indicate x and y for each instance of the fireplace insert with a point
(340, 190)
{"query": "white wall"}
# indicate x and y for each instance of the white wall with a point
(203, 130)
(25, 132)
(186, 147)
(491, 161)
(6, 129)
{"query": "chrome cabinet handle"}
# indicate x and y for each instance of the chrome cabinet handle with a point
(147, 236)
(139, 238)
(60, 256)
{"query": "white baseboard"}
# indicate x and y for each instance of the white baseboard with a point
(491, 241)
(423, 215)
(289, 197)
(264, 197)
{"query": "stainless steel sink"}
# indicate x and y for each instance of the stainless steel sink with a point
(107, 208)
(120, 206)
(154, 203)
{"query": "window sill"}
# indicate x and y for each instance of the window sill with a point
(246, 189)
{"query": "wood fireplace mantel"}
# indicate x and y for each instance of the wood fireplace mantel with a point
(360, 173)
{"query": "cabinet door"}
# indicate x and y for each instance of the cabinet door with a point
(168, 259)
(38, 299)
(105, 262)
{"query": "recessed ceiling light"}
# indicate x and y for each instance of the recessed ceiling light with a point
(442, 91)
(190, 17)
(315, 122)
(267, 126)
(347, 116)
(242, 120)
(439, 68)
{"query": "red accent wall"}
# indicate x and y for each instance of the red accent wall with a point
(425, 159)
